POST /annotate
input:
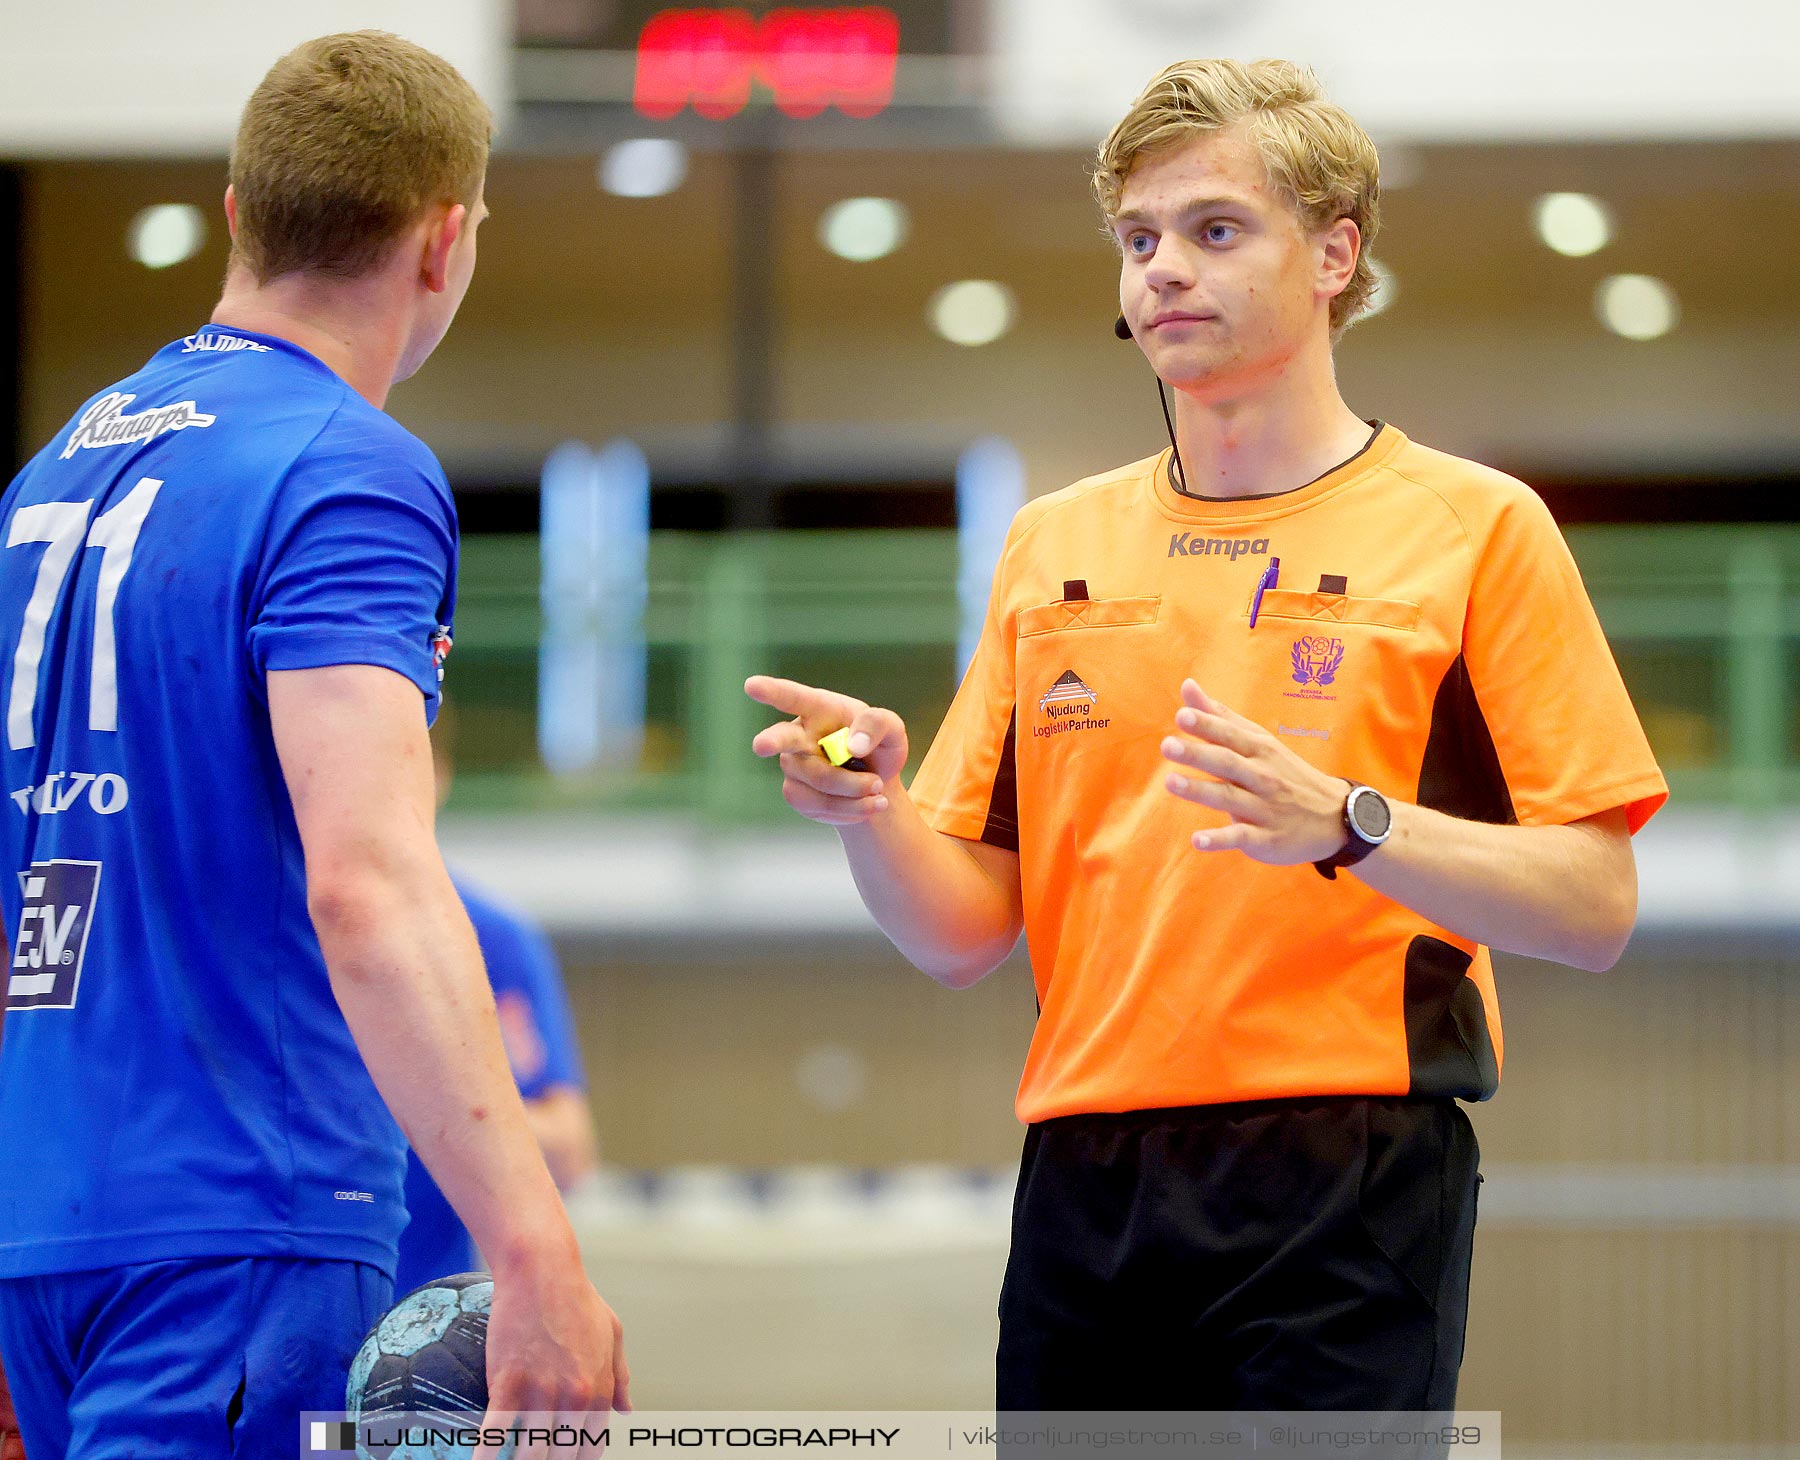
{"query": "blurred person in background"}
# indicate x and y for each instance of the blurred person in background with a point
(236, 948)
(538, 1032)
(1246, 1182)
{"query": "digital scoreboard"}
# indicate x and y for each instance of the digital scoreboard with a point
(808, 59)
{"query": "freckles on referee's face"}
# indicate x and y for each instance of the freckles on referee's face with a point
(1218, 278)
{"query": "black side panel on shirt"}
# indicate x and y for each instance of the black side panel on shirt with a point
(1002, 829)
(1448, 1047)
(1460, 774)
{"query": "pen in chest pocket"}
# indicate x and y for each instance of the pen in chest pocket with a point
(1270, 576)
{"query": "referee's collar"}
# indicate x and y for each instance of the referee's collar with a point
(1386, 441)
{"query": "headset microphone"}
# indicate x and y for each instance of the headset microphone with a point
(1121, 329)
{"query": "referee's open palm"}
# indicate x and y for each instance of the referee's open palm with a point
(810, 783)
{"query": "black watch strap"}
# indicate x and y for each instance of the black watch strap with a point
(1356, 846)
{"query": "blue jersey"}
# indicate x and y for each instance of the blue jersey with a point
(540, 1045)
(176, 1078)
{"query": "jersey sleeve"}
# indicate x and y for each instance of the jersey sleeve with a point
(1564, 732)
(967, 785)
(360, 562)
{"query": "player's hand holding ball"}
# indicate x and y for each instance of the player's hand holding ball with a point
(811, 784)
(553, 1344)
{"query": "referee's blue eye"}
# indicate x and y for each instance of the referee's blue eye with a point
(1220, 232)
(1141, 244)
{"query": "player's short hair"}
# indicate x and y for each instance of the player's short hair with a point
(1316, 154)
(344, 145)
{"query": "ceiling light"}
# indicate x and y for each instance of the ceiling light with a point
(972, 312)
(644, 167)
(166, 234)
(862, 229)
(1637, 306)
(1574, 224)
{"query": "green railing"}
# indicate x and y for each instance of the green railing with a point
(870, 613)
(1705, 622)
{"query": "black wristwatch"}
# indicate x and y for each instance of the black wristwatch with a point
(1367, 822)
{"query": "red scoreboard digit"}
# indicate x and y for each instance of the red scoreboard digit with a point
(808, 59)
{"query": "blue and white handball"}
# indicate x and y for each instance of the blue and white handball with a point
(425, 1360)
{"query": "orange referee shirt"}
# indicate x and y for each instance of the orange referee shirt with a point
(1429, 635)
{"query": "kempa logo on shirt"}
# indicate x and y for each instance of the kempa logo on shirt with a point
(1070, 705)
(220, 344)
(1186, 545)
(105, 423)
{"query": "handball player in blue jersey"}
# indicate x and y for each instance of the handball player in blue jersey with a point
(239, 977)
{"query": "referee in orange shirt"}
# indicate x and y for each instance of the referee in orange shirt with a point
(1269, 738)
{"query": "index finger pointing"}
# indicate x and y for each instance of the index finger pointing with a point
(791, 698)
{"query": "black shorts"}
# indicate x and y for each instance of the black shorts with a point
(1273, 1254)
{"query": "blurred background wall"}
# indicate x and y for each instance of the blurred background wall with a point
(802, 323)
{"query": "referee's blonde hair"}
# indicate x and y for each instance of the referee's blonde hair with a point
(1316, 154)
(342, 148)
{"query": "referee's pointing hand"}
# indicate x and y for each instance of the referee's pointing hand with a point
(812, 785)
(1283, 810)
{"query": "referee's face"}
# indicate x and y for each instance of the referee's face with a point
(1223, 288)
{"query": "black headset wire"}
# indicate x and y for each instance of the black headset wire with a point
(1122, 331)
(1175, 468)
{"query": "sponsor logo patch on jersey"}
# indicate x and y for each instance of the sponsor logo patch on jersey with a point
(1068, 690)
(53, 931)
(441, 645)
(1192, 545)
(105, 794)
(105, 422)
(1068, 705)
(221, 344)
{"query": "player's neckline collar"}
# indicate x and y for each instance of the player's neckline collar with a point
(1380, 448)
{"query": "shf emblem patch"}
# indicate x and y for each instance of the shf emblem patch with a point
(1316, 659)
(53, 932)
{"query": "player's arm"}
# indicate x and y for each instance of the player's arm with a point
(407, 972)
(564, 1129)
(952, 906)
(1566, 893)
(11, 1446)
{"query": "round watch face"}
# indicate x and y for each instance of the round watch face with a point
(1369, 814)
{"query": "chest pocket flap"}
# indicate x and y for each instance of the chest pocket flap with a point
(1340, 608)
(1087, 613)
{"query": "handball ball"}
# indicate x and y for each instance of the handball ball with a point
(425, 1360)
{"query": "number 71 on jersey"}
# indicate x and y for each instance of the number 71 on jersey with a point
(63, 525)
